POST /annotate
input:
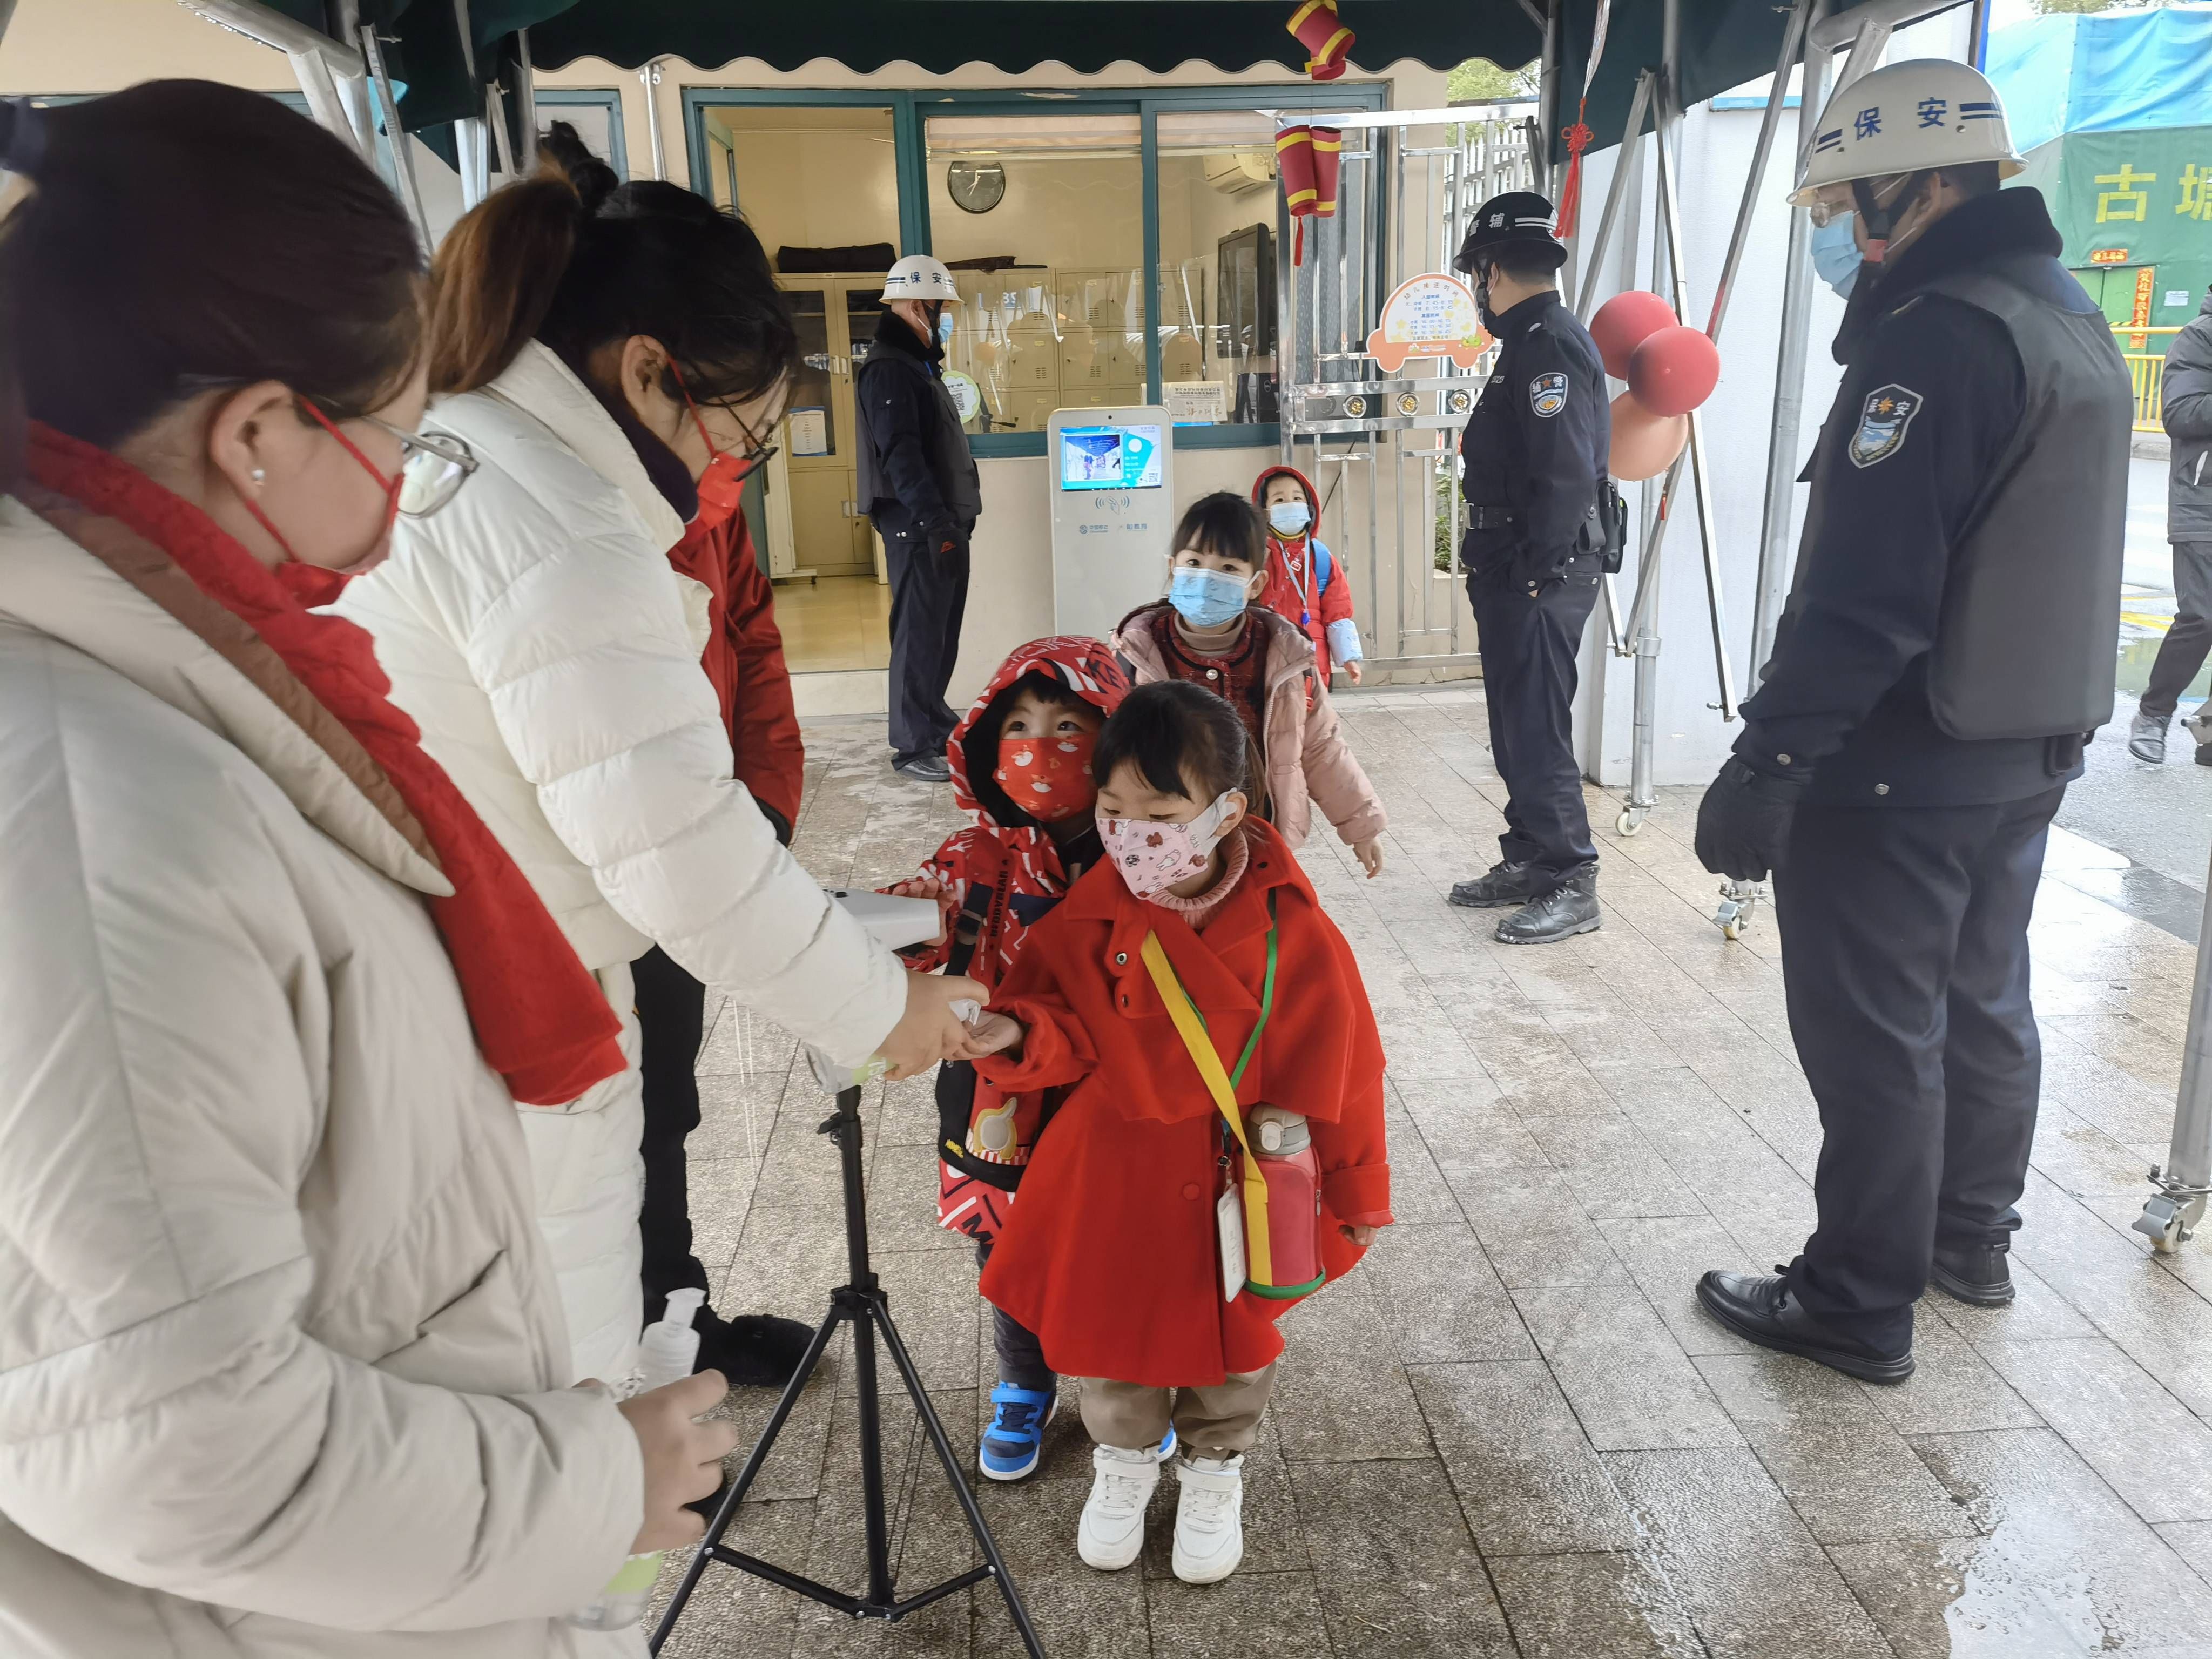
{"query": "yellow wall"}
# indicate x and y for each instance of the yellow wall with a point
(99, 46)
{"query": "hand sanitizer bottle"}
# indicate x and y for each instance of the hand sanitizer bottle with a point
(668, 1354)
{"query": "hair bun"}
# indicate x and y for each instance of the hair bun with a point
(562, 148)
(22, 137)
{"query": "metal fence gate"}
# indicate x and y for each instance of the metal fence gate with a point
(1384, 451)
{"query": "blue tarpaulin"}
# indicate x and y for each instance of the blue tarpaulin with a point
(2109, 71)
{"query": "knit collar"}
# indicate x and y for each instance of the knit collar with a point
(893, 329)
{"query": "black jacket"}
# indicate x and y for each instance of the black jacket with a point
(2186, 415)
(1845, 702)
(906, 454)
(1535, 447)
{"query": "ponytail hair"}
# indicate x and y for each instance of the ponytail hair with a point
(574, 258)
(182, 236)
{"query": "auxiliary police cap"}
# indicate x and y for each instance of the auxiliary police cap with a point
(1519, 219)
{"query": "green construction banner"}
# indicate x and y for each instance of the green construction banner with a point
(2134, 201)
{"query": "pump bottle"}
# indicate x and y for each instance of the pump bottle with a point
(668, 1353)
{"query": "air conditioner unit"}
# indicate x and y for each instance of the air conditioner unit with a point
(1235, 171)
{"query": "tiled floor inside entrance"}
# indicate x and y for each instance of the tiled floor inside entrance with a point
(1512, 1432)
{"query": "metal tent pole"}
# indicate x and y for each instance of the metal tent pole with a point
(403, 158)
(1774, 564)
(2173, 1213)
(649, 78)
(525, 102)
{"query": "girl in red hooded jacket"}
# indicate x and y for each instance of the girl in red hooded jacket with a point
(1305, 580)
(1199, 1008)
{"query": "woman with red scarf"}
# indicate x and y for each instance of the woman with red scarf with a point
(282, 1366)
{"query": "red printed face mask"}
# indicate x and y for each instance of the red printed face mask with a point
(1048, 777)
(722, 485)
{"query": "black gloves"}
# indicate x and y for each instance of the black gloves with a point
(1743, 822)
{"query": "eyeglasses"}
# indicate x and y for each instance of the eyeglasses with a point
(1833, 202)
(432, 467)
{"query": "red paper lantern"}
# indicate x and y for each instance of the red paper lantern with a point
(1645, 444)
(1624, 323)
(1674, 370)
(1327, 41)
(1309, 161)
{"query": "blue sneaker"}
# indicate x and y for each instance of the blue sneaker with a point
(1012, 1445)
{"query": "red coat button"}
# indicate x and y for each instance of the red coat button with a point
(1190, 1189)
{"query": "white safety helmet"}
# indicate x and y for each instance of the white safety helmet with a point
(1905, 118)
(918, 276)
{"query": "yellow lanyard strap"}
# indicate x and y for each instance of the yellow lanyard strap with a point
(1192, 1028)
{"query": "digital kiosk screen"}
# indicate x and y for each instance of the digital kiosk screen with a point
(1109, 457)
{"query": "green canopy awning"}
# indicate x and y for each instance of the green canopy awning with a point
(1723, 42)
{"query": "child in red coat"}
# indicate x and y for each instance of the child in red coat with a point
(1209, 1025)
(1305, 580)
(1021, 764)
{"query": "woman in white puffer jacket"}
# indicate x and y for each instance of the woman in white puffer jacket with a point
(599, 365)
(283, 1365)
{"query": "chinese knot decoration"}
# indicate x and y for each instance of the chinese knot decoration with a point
(1325, 38)
(1308, 159)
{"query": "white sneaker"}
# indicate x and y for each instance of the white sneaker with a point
(1209, 1535)
(1112, 1532)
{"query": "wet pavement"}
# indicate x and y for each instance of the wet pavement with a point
(1512, 1431)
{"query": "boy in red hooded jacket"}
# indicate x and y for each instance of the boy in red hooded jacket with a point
(1305, 580)
(1142, 1256)
(1021, 764)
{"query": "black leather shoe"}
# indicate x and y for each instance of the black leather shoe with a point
(924, 769)
(1500, 885)
(1569, 909)
(1759, 1308)
(1977, 1274)
(753, 1351)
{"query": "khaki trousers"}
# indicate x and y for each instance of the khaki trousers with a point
(1217, 1421)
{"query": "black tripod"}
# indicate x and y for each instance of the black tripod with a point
(863, 1303)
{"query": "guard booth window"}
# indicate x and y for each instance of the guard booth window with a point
(1217, 296)
(1041, 218)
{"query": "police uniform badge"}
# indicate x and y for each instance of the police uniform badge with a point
(1883, 419)
(1547, 394)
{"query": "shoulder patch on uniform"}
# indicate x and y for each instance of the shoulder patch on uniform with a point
(1883, 419)
(1547, 394)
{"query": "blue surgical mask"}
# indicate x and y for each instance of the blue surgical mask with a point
(944, 326)
(1290, 518)
(1836, 254)
(1206, 598)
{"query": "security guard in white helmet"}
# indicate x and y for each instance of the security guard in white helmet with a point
(1947, 646)
(1534, 456)
(918, 482)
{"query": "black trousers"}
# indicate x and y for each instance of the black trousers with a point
(671, 1008)
(929, 597)
(1528, 647)
(2186, 643)
(1905, 956)
(1020, 1355)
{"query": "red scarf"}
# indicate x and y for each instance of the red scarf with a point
(540, 1019)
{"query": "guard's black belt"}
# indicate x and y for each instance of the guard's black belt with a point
(1493, 518)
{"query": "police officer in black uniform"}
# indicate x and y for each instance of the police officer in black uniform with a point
(1534, 457)
(1948, 643)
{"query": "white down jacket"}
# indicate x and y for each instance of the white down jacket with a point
(534, 629)
(280, 1359)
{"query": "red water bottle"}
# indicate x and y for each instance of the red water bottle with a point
(1283, 1153)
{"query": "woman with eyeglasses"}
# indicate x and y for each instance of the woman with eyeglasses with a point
(615, 366)
(283, 1368)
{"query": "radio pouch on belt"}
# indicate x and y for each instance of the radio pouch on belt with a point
(1259, 1244)
(1609, 528)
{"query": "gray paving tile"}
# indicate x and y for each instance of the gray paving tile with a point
(2192, 1541)
(1441, 1297)
(2037, 1313)
(732, 1615)
(2149, 1447)
(1615, 1169)
(1631, 1386)
(902, 1184)
(1250, 1616)
(2064, 1567)
(1665, 1256)
(1340, 1393)
(1525, 1474)
(1731, 1550)
(1610, 1603)
(1952, 1389)
(1534, 1229)
(1417, 1191)
(1397, 1571)
(1850, 1477)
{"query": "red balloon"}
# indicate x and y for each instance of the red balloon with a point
(1624, 323)
(1674, 370)
(1645, 444)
